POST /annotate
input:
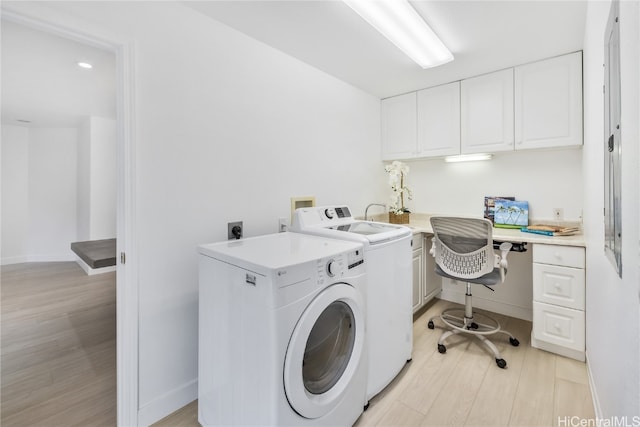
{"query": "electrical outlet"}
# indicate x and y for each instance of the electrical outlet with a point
(234, 230)
(283, 225)
(558, 214)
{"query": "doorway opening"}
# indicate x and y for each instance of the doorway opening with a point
(58, 198)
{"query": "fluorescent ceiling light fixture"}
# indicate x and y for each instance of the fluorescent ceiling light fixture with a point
(398, 21)
(85, 65)
(468, 158)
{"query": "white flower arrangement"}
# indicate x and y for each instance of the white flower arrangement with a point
(397, 170)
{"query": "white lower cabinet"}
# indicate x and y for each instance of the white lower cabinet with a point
(559, 300)
(426, 283)
(418, 271)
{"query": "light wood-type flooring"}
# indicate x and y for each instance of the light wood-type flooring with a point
(465, 387)
(58, 365)
(58, 339)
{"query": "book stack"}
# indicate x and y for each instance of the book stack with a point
(550, 230)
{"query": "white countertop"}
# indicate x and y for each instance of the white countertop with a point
(419, 223)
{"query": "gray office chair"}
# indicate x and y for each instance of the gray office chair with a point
(463, 250)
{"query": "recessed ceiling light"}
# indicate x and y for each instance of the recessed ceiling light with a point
(85, 65)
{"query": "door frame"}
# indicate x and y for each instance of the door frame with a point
(43, 19)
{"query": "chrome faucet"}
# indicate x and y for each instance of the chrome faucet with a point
(372, 204)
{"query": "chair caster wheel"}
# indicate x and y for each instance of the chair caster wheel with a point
(514, 342)
(473, 325)
(430, 325)
(501, 363)
(366, 406)
(442, 349)
(409, 360)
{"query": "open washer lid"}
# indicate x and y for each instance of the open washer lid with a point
(337, 222)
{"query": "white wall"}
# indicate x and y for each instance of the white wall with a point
(226, 129)
(97, 179)
(15, 193)
(546, 179)
(613, 347)
(84, 181)
(39, 194)
(103, 178)
(52, 193)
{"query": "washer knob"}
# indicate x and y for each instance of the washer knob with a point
(330, 268)
(329, 213)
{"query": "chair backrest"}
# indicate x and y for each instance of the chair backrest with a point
(463, 246)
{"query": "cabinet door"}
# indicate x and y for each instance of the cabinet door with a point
(487, 113)
(557, 285)
(418, 274)
(399, 131)
(432, 282)
(439, 121)
(560, 326)
(548, 103)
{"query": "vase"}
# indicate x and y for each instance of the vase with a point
(402, 218)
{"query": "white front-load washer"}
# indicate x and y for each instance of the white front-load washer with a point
(388, 256)
(281, 332)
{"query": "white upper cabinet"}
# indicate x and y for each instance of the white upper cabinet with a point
(537, 105)
(487, 113)
(399, 131)
(439, 121)
(548, 103)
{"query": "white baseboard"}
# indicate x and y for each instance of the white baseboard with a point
(168, 403)
(594, 392)
(91, 271)
(490, 305)
(37, 258)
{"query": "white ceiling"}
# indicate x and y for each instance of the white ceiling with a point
(41, 82)
(483, 35)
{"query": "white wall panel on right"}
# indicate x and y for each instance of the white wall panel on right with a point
(612, 303)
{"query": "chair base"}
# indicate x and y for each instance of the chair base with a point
(466, 321)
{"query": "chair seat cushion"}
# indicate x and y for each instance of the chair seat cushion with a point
(488, 279)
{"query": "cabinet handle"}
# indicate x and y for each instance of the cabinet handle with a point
(557, 326)
(557, 286)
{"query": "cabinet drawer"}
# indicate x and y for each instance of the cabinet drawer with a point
(417, 241)
(558, 325)
(559, 285)
(569, 256)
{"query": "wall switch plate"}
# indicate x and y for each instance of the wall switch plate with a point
(234, 230)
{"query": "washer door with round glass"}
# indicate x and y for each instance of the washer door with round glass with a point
(324, 351)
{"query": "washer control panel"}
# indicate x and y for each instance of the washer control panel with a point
(337, 266)
(320, 216)
(337, 212)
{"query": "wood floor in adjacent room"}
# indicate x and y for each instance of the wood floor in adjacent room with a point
(464, 387)
(58, 340)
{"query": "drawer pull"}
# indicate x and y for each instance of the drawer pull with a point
(557, 255)
(557, 286)
(557, 326)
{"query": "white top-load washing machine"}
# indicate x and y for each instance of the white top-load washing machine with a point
(388, 258)
(281, 332)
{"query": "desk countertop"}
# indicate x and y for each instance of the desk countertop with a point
(419, 223)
